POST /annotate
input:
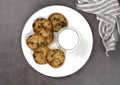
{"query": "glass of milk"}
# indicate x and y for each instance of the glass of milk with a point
(68, 39)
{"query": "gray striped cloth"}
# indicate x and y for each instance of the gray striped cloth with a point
(108, 13)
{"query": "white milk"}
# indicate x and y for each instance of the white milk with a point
(68, 39)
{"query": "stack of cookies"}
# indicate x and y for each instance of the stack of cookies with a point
(43, 36)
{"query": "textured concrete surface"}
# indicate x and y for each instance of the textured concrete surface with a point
(14, 69)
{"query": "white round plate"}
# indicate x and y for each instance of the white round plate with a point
(73, 61)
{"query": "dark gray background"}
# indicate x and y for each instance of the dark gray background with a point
(14, 69)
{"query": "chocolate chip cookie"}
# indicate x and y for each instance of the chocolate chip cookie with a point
(35, 40)
(41, 23)
(55, 58)
(47, 34)
(58, 21)
(40, 55)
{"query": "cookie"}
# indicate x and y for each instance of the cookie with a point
(35, 40)
(47, 34)
(40, 55)
(55, 58)
(58, 21)
(41, 23)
